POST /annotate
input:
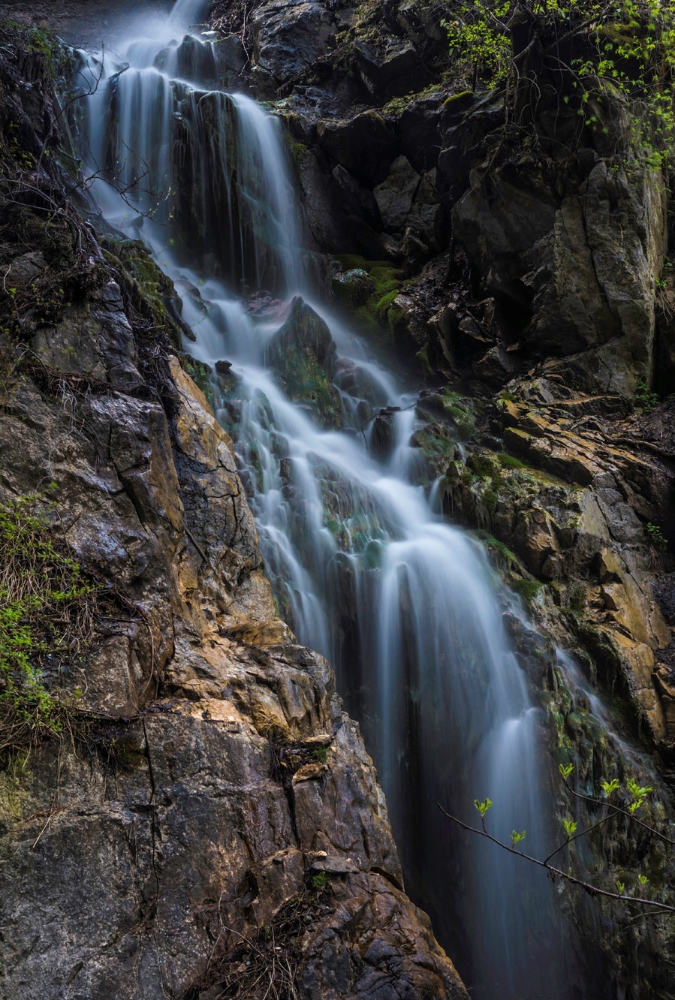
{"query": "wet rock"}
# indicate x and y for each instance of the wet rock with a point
(93, 337)
(382, 433)
(379, 958)
(303, 330)
(426, 215)
(221, 526)
(495, 367)
(419, 130)
(302, 352)
(265, 307)
(195, 61)
(333, 223)
(230, 56)
(24, 269)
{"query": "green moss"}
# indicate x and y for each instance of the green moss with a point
(436, 445)
(490, 499)
(379, 311)
(454, 98)
(509, 462)
(202, 375)
(150, 290)
(527, 589)
(298, 151)
(502, 550)
(382, 307)
(482, 464)
(464, 421)
(308, 383)
(423, 358)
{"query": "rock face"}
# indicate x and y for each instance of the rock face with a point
(210, 783)
(152, 847)
(290, 36)
(584, 264)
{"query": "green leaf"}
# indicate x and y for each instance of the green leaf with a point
(565, 770)
(570, 826)
(483, 806)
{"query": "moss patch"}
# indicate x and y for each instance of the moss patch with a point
(527, 589)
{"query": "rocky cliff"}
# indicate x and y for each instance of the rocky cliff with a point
(187, 812)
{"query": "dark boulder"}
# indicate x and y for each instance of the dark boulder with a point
(391, 69)
(365, 145)
(289, 36)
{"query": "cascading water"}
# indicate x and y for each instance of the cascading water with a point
(402, 603)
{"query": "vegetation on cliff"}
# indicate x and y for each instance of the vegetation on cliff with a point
(608, 60)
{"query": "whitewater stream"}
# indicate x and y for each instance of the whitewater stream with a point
(403, 604)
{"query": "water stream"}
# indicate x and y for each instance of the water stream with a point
(403, 604)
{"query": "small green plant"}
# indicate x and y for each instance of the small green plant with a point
(320, 882)
(656, 536)
(565, 770)
(321, 754)
(645, 399)
(609, 786)
(639, 793)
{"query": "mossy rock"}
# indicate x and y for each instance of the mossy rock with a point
(302, 353)
(353, 288)
(152, 293)
(376, 314)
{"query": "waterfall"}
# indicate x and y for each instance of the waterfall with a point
(403, 604)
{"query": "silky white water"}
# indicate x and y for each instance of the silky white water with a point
(402, 604)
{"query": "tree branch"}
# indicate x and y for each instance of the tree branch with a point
(557, 872)
(624, 812)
